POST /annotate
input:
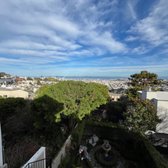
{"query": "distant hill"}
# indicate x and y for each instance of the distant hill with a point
(3, 74)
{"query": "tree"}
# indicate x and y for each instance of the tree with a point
(29, 78)
(38, 82)
(3, 74)
(9, 107)
(78, 98)
(141, 81)
(115, 111)
(50, 79)
(44, 109)
(141, 116)
(18, 120)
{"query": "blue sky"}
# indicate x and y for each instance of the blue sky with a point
(83, 37)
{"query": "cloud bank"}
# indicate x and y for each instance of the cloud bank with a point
(82, 33)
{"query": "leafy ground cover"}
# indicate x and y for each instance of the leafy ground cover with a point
(132, 149)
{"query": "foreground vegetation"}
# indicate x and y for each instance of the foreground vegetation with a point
(46, 121)
(21, 136)
(134, 149)
(57, 109)
(141, 115)
(78, 98)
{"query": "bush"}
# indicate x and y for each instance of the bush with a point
(141, 116)
(19, 153)
(78, 132)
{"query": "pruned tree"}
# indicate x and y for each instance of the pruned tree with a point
(78, 98)
(43, 110)
(2, 74)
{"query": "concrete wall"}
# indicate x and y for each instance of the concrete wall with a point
(163, 103)
(162, 107)
(4, 166)
(148, 95)
(160, 95)
(160, 100)
(56, 162)
(14, 93)
(162, 112)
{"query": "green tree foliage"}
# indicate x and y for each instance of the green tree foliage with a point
(38, 82)
(50, 79)
(44, 109)
(115, 111)
(141, 116)
(15, 118)
(10, 106)
(2, 74)
(29, 78)
(141, 81)
(78, 98)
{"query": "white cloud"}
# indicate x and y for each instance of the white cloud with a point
(57, 27)
(131, 8)
(106, 40)
(131, 38)
(27, 44)
(30, 61)
(32, 54)
(10, 60)
(64, 33)
(153, 28)
(140, 50)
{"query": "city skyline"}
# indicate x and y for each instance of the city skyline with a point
(83, 37)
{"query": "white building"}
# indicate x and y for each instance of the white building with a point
(13, 93)
(160, 100)
(115, 97)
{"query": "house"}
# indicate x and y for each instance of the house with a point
(115, 96)
(160, 100)
(4, 92)
(6, 81)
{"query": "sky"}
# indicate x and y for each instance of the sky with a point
(83, 37)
